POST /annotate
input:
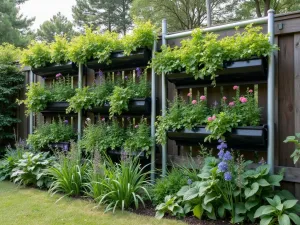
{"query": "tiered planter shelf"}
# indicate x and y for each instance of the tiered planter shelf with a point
(50, 71)
(54, 108)
(63, 146)
(240, 137)
(119, 60)
(240, 71)
(136, 107)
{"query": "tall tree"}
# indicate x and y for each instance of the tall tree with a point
(112, 15)
(57, 25)
(14, 27)
(180, 14)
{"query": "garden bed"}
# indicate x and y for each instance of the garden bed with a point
(50, 71)
(239, 137)
(119, 60)
(242, 71)
(136, 106)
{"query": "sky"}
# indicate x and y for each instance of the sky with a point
(43, 10)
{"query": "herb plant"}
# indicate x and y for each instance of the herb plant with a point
(61, 89)
(54, 132)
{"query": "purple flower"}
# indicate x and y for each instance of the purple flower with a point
(223, 167)
(126, 77)
(215, 103)
(189, 181)
(262, 161)
(103, 119)
(66, 121)
(227, 176)
(118, 73)
(100, 73)
(66, 147)
(221, 154)
(58, 75)
(227, 156)
(44, 78)
(138, 71)
(222, 145)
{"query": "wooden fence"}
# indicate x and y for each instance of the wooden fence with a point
(287, 97)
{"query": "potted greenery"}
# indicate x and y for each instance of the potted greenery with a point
(56, 134)
(241, 56)
(47, 60)
(236, 121)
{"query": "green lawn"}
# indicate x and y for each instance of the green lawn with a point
(28, 206)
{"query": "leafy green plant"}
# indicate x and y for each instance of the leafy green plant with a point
(102, 92)
(47, 133)
(203, 55)
(61, 89)
(138, 138)
(140, 87)
(59, 50)
(37, 98)
(93, 46)
(143, 35)
(295, 140)
(278, 212)
(171, 206)
(31, 169)
(69, 173)
(125, 184)
(38, 54)
(9, 54)
(119, 100)
(83, 99)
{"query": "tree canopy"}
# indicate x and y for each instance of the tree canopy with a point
(57, 25)
(14, 27)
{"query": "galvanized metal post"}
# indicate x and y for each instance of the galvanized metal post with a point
(208, 12)
(271, 95)
(79, 128)
(164, 99)
(153, 113)
(31, 113)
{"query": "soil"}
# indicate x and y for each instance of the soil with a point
(149, 210)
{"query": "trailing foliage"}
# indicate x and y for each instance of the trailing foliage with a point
(83, 99)
(59, 50)
(295, 140)
(203, 55)
(38, 54)
(119, 100)
(69, 173)
(30, 169)
(9, 54)
(47, 133)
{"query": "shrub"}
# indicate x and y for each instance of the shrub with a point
(30, 169)
(138, 138)
(9, 54)
(69, 173)
(57, 131)
(125, 185)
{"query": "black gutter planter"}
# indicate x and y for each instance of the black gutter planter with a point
(50, 71)
(242, 137)
(63, 146)
(141, 154)
(56, 108)
(136, 106)
(138, 58)
(254, 69)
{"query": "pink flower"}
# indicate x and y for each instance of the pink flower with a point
(209, 119)
(243, 99)
(203, 98)
(214, 117)
(103, 119)
(231, 104)
(189, 94)
(136, 126)
(224, 98)
(194, 102)
(58, 75)
(235, 87)
(250, 91)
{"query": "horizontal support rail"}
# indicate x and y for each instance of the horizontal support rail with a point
(261, 20)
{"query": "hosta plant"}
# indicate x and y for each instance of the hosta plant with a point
(31, 169)
(278, 212)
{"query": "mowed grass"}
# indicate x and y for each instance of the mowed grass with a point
(28, 206)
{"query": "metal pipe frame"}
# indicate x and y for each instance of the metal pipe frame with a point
(271, 94)
(164, 99)
(271, 77)
(31, 113)
(79, 127)
(208, 12)
(153, 113)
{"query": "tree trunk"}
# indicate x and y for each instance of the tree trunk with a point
(267, 6)
(257, 7)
